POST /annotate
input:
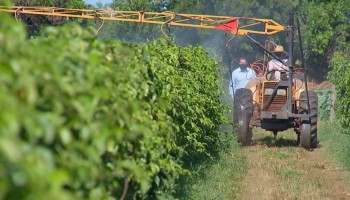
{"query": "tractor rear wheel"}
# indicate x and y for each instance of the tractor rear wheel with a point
(243, 109)
(308, 127)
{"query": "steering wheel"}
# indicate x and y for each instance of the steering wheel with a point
(272, 78)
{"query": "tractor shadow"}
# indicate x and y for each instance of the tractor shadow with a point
(283, 139)
(269, 141)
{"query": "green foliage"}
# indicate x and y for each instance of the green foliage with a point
(326, 29)
(56, 3)
(340, 76)
(85, 119)
(192, 92)
(324, 103)
(327, 25)
(144, 5)
(34, 22)
(336, 144)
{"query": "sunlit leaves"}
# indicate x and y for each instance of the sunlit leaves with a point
(340, 76)
(87, 119)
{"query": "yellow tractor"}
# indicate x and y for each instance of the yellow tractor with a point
(278, 105)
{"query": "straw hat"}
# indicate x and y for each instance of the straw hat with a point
(280, 49)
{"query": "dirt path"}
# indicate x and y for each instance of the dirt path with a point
(280, 170)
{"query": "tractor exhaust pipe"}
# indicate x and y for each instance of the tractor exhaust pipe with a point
(290, 61)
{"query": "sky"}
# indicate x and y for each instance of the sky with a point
(93, 2)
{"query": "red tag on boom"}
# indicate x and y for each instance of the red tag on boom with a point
(230, 26)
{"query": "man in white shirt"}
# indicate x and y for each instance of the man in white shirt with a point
(241, 76)
(275, 66)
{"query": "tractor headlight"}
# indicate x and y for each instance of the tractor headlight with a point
(268, 91)
(281, 92)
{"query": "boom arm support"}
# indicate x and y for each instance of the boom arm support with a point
(250, 25)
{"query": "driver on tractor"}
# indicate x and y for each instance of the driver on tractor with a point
(275, 66)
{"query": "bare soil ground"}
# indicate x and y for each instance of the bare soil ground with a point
(278, 169)
(323, 85)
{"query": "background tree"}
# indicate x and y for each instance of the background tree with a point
(34, 23)
(327, 30)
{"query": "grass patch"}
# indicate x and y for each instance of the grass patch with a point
(278, 154)
(335, 142)
(287, 173)
(218, 179)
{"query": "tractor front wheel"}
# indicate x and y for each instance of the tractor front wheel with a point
(308, 127)
(243, 109)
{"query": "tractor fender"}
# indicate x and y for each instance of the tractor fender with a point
(299, 87)
(253, 86)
